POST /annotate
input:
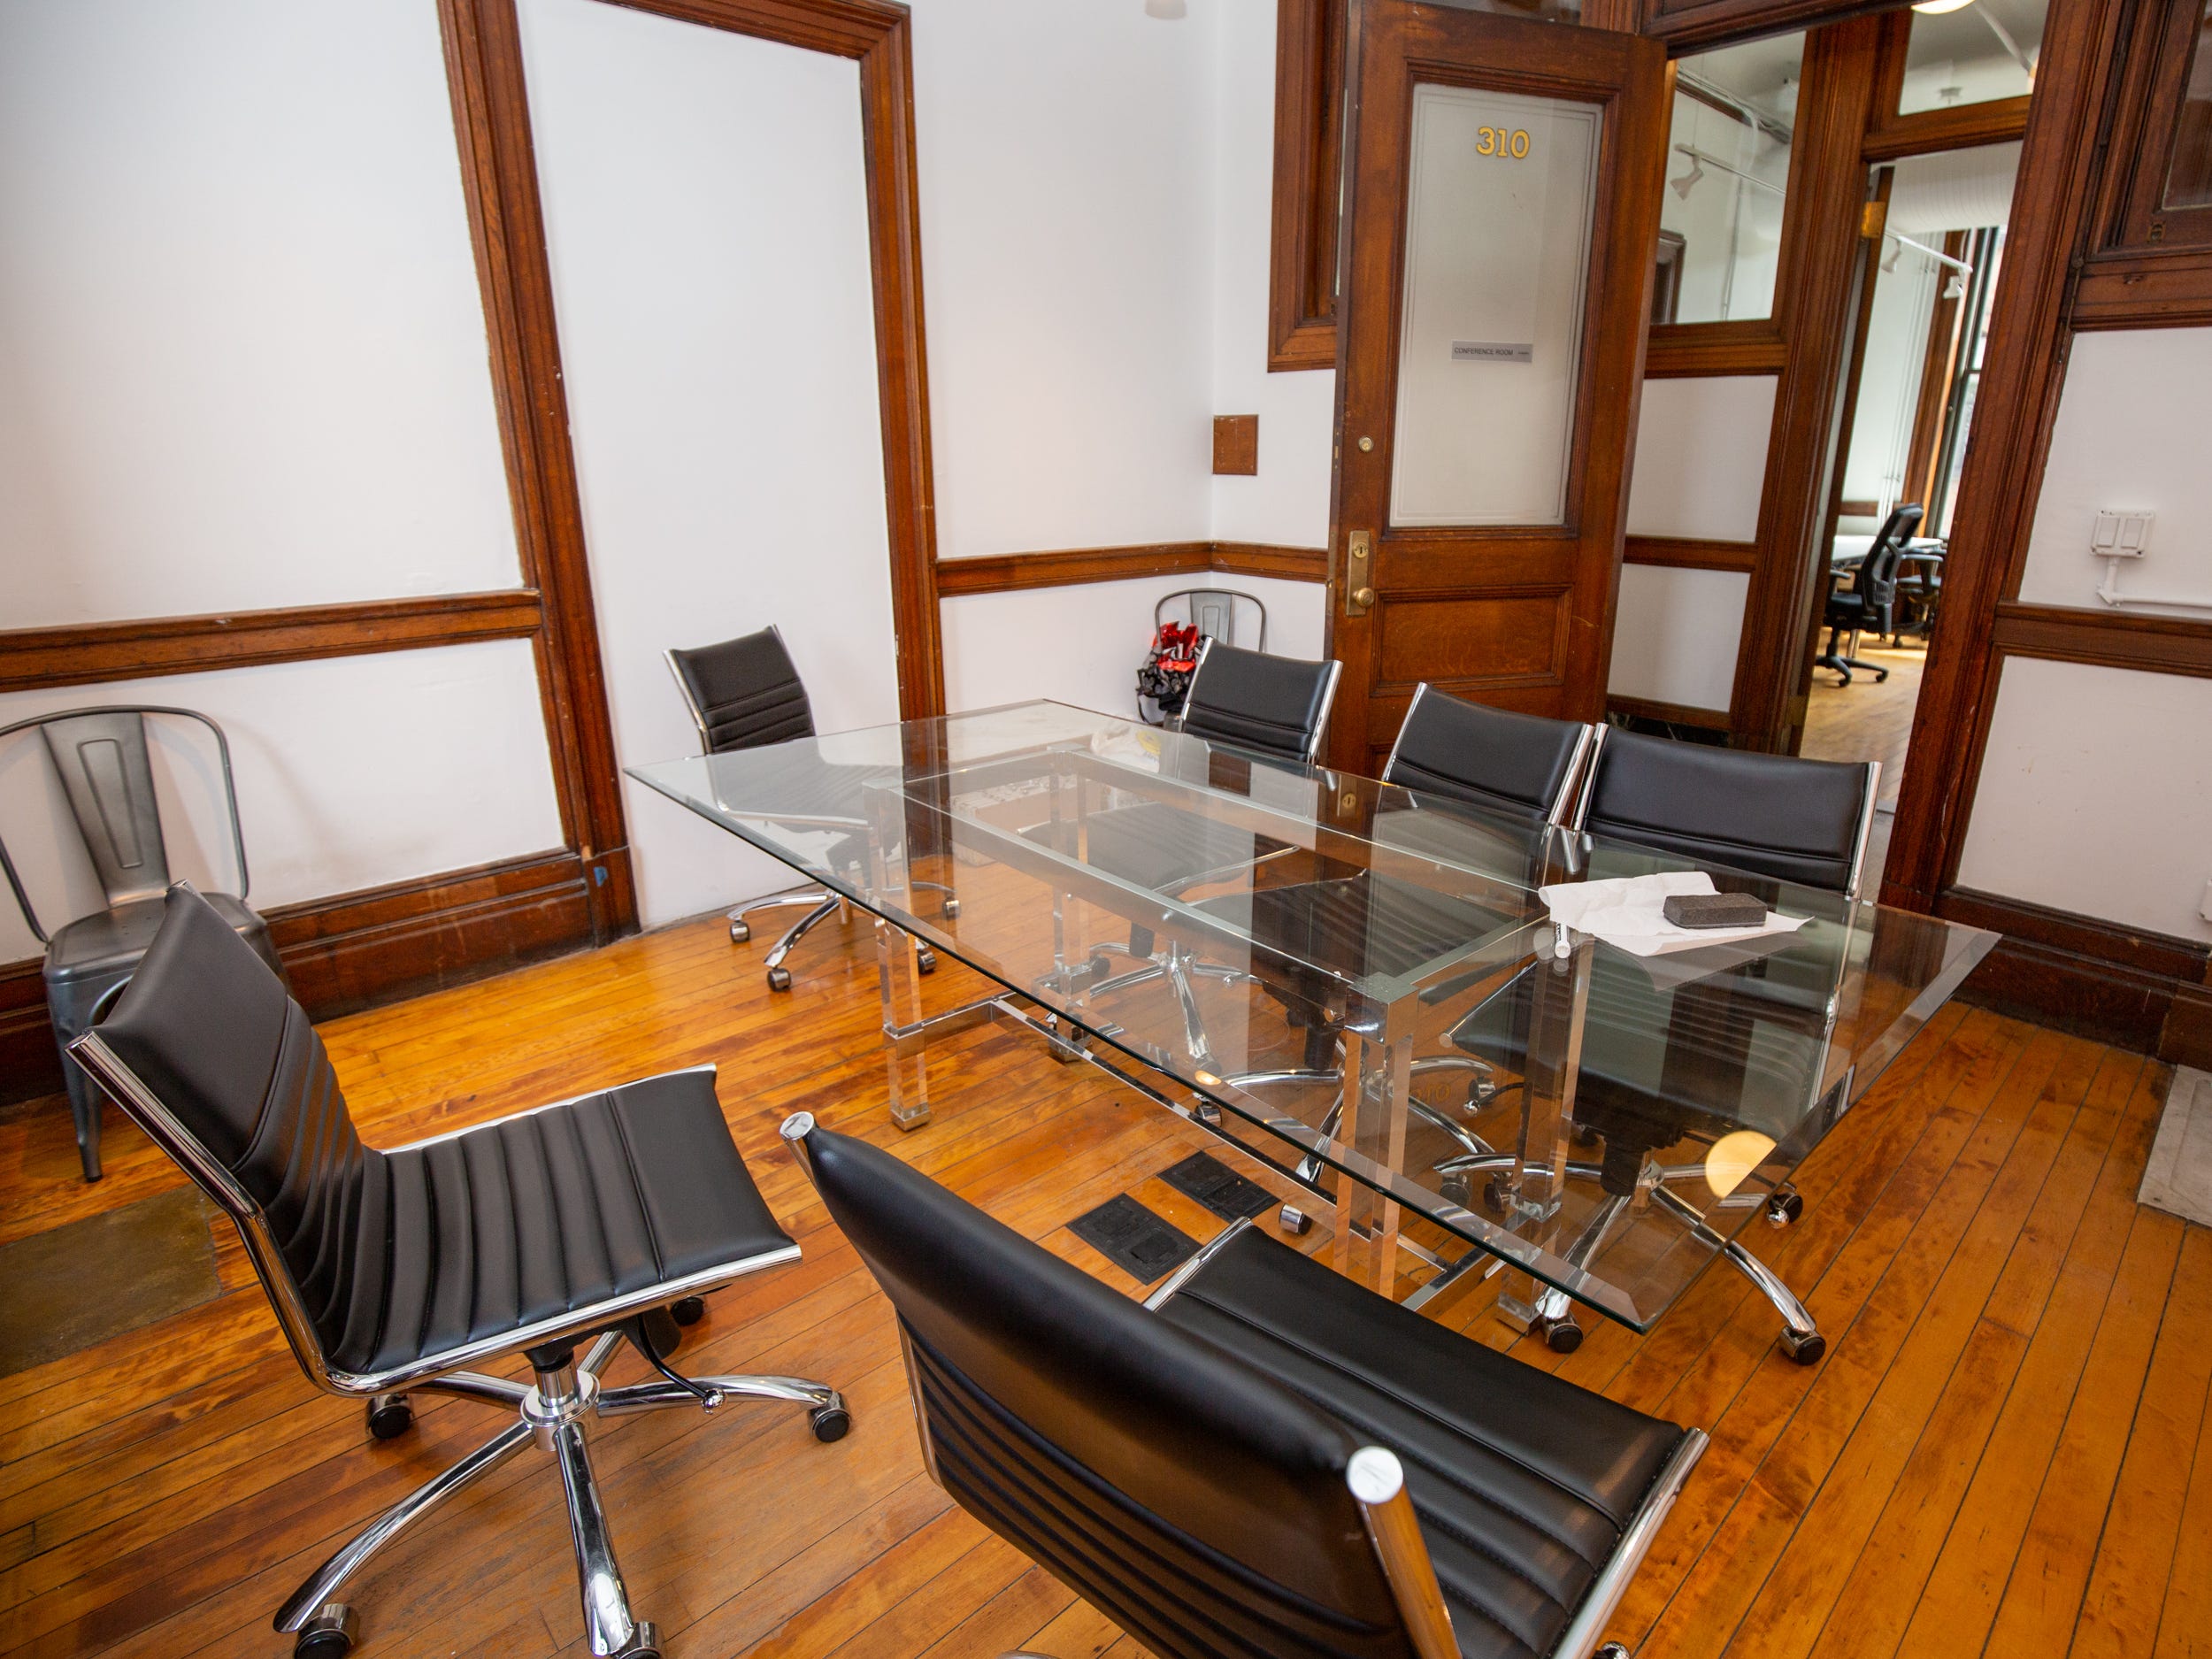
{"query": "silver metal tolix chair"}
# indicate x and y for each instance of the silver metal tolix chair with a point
(576, 1225)
(106, 771)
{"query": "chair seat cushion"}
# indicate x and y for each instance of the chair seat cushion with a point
(545, 1213)
(107, 940)
(1524, 1482)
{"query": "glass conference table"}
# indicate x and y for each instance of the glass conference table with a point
(1359, 985)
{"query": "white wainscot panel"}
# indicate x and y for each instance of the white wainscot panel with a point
(1083, 645)
(2129, 438)
(1677, 635)
(245, 351)
(352, 772)
(1701, 458)
(2092, 796)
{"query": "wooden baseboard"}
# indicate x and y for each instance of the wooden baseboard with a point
(1671, 713)
(353, 950)
(2138, 990)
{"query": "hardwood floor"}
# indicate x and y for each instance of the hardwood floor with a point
(1866, 719)
(2006, 1450)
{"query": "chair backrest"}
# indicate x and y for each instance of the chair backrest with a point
(1198, 1503)
(106, 771)
(1878, 575)
(1213, 611)
(1271, 705)
(1522, 764)
(1802, 821)
(744, 692)
(211, 1057)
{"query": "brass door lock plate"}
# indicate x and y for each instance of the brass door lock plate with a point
(1359, 594)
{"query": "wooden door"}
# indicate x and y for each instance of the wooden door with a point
(1504, 180)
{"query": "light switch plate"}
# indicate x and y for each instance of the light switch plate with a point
(2205, 909)
(2121, 533)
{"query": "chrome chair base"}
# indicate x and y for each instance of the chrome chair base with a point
(557, 1413)
(820, 906)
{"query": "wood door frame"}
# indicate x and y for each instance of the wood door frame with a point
(1603, 427)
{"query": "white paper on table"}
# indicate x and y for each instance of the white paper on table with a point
(1626, 912)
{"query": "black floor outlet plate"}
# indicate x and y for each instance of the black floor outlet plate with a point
(1134, 1238)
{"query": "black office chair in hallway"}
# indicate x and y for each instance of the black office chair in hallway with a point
(102, 758)
(1870, 601)
(1773, 818)
(745, 694)
(1264, 1461)
(593, 1220)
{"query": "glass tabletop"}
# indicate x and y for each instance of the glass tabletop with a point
(1363, 982)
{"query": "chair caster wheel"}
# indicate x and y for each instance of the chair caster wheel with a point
(1296, 1220)
(1455, 1189)
(950, 910)
(645, 1643)
(740, 932)
(924, 960)
(687, 1310)
(390, 1415)
(330, 1634)
(1805, 1350)
(1494, 1196)
(778, 978)
(1563, 1336)
(830, 1422)
(1783, 1206)
(1611, 1650)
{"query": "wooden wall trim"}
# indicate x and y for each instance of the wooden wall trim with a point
(1890, 135)
(2139, 289)
(1671, 713)
(491, 119)
(1682, 553)
(1301, 243)
(1748, 346)
(87, 652)
(1688, 25)
(1011, 573)
(2167, 645)
(2023, 372)
(352, 949)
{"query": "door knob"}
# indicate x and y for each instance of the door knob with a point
(1362, 597)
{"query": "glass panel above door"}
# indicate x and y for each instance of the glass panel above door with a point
(1501, 193)
(2189, 180)
(1728, 165)
(1970, 51)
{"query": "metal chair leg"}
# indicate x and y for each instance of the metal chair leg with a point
(1802, 1338)
(780, 976)
(741, 930)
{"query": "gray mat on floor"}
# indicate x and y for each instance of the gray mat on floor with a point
(81, 1283)
(2178, 1178)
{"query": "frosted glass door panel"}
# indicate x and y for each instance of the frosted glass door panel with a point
(1501, 190)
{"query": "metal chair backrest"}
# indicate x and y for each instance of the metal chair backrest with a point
(1213, 611)
(106, 771)
(744, 692)
(1276, 706)
(1778, 816)
(1196, 1501)
(1523, 764)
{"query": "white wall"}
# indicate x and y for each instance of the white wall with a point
(243, 358)
(352, 772)
(1677, 636)
(1083, 645)
(2131, 434)
(1701, 456)
(1889, 380)
(718, 341)
(2092, 796)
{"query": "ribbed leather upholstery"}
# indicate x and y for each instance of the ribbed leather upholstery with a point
(746, 691)
(1184, 1470)
(1522, 1482)
(1271, 705)
(401, 1256)
(1359, 923)
(1487, 757)
(1772, 815)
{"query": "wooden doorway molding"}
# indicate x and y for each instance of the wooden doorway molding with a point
(492, 112)
(1517, 614)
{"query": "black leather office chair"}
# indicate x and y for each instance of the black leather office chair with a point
(1264, 1460)
(596, 1218)
(1512, 770)
(1273, 706)
(1773, 818)
(1870, 601)
(745, 693)
(106, 772)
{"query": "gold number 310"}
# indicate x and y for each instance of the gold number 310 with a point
(1496, 141)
